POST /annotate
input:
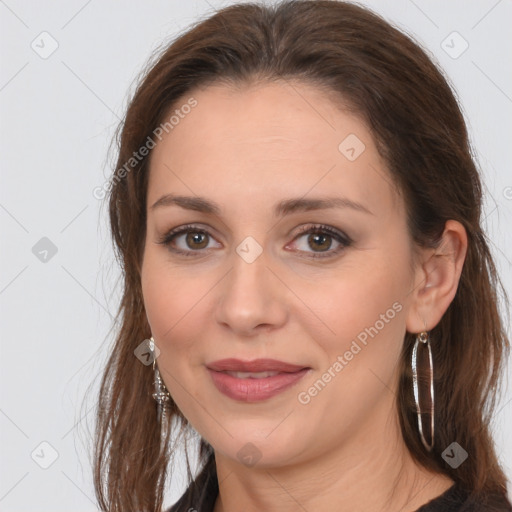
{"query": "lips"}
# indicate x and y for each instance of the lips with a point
(255, 389)
(255, 366)
(253, 381)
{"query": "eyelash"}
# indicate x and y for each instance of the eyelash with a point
(344, 240)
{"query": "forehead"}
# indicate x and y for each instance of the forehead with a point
(287, 113)
(266, 141)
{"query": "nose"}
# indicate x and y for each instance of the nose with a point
(251, 299)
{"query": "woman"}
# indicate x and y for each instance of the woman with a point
(306, 282)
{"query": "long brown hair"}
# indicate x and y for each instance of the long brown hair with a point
(388, 80)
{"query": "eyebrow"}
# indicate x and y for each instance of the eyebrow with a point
(285, 207)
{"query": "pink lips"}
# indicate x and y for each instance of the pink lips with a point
(253, 389)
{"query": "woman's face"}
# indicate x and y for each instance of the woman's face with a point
(290, 244)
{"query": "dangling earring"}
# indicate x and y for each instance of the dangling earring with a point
(161, 395)
(423, 337)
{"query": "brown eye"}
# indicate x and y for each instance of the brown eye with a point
(189, 240)
(196, 240)
(319, 242)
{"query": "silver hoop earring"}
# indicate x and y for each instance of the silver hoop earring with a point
(161, 395)
(423, 337)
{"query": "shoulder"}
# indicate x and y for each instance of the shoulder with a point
(201, 494)
(488, 503)
(457, 499)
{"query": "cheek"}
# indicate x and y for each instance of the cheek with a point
(362, 303)
(177, 303)
(172, 297)
(358, 366)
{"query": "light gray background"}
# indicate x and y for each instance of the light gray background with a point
(58, 115)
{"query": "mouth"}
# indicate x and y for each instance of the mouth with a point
(254, 381)
(252, 375)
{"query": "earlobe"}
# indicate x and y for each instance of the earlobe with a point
(437, 279)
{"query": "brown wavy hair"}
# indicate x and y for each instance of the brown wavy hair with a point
(383, 76)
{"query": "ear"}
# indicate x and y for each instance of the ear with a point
(436, 278)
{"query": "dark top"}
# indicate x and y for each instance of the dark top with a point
(202, 493)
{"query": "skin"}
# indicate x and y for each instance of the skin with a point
(247, 149)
